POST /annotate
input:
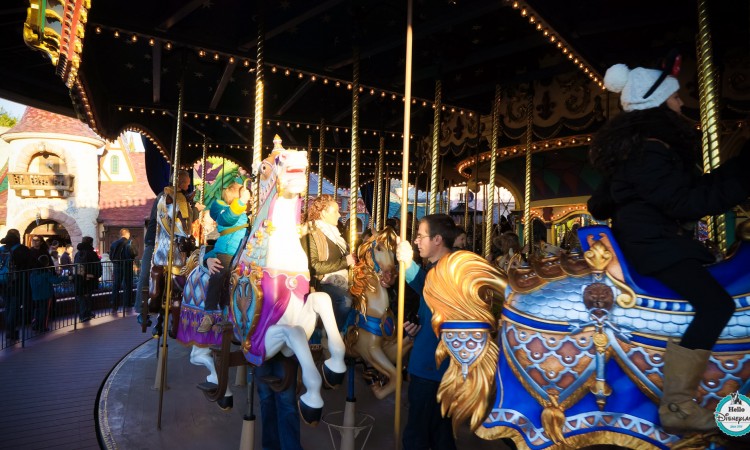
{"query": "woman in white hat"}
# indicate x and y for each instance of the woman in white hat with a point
(654, 192)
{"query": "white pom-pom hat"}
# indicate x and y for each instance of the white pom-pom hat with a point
(634, 84)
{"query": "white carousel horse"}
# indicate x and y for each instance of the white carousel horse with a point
(372, 337)
(270, 305)
(580, 347)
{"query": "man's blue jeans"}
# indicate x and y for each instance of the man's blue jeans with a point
(143, 278)
(339, 299)
(278, 410)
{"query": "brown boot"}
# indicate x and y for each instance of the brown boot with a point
(206, 324)
(683, 371)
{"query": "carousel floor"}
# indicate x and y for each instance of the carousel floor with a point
(128, 409)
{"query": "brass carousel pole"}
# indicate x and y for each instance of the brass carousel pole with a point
(320, 156)
(259, 94)
(168, 288)
(354, 168)
(381, 162)
(441, 201)
(466, 207)
(307, 174)
(435, 148)
(476, 198)
(413, 224)
(386, 196)
(527, 179)
(204, 156)
(708, 93)
(404, 195)
(336, 179)
(489, 199)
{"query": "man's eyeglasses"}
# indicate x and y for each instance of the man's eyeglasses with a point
(422, 236)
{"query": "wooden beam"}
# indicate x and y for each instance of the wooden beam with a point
(156, 71)
(180, 14)
(292, 23)
(225, 77)
(434, 26)
(296, 95)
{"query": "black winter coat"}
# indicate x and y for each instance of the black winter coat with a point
(651, 194)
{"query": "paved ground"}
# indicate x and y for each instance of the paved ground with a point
(49, 388)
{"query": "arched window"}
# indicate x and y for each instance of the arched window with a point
(47, 163)
(114, 164)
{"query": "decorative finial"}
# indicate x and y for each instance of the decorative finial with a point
(277, 143)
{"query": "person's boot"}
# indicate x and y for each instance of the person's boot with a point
(206, 324)
(683, 370)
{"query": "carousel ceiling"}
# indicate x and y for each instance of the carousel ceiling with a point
(124, 61)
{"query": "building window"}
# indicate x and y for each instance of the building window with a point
(114, 164)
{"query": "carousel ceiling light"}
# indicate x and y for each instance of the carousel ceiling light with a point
(301, 75)
(98, 30)
(151, 42)
(313, 78)
(168, 46)
(117, 34)
(216, 56)
(338, 83)
(393, 97)
(201, 53)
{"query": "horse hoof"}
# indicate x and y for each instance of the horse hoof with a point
(226, 403)
(310, 416)
(207, 386)
(331, 378)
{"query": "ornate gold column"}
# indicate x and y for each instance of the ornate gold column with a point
(354, 168)
(708, 95)
(489, 199)
(435, 149)
(528, 229)
(381, 162)
(320, 156)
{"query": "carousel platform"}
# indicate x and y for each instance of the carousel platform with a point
(93, 388)
(128, 408)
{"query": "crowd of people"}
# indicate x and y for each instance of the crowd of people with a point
(30, 273)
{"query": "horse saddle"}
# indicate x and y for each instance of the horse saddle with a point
(156, 282)
(732, 273)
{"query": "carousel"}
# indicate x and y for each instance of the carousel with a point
(484, 111)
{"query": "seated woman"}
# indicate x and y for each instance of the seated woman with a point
(509, 245)
(329, 255)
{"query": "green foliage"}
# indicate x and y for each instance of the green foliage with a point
(6, 120)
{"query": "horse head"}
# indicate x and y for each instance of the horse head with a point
(283, 168)
(376, 265)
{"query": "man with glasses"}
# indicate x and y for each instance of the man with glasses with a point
(426, 428)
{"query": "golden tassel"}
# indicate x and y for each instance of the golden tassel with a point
(553, 420)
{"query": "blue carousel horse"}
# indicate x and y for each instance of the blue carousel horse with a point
(270, 307)
(580, 346)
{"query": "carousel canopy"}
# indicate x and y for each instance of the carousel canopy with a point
(118, 66)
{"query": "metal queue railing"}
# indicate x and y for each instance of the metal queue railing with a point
(75, 298)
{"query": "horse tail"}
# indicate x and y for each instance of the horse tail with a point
(462, 287)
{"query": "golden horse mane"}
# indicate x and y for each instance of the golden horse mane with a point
(191, 263)
(363, 274)
(462, 287)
